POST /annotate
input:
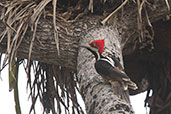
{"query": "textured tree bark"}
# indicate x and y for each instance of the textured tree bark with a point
(44, 48)
(98, 95)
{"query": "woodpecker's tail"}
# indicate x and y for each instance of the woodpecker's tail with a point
(129, 84)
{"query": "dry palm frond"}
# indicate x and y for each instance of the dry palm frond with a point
(167, 3)
(32, 41)
(55, 28)
(54, 84)
(108, 17)
(38, 10)
(15, 26)
(139, 18)
(90, 7)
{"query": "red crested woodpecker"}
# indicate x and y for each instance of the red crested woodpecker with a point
(109, 68)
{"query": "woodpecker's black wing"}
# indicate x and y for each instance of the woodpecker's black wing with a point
(113, 72)
(107, 71)
(117, 63)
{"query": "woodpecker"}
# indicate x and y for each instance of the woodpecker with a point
(109, 68)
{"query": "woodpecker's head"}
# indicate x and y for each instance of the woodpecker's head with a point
(96, 47)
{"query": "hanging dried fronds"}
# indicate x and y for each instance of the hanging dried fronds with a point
(167, 3)
(90, 7)
(56, 86)
(54, 83)
(139, 19)
(117, 9)
(55, 28)
(32, 41)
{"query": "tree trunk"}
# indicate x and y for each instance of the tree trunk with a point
(95, 92)
(44, 48)
(98, 97)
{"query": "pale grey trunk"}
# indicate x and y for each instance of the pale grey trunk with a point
(98, 96)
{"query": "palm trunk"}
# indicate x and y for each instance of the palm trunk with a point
(99, 97)
(121, 38)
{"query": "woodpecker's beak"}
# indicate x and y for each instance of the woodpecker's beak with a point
(85, 46)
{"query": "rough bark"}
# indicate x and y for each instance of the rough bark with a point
(95, 92)
(44, 48)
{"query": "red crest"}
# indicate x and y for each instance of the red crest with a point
(98, 44)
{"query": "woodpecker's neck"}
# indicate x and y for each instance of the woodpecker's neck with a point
(112, 61)
(108, 59)
(96, 54)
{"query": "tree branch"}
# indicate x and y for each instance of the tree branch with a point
(44, 48)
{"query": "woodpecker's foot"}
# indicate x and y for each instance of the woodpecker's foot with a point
(106, 81)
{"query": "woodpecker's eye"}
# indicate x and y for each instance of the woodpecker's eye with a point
(93, 44)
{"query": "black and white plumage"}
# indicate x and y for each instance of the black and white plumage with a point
(110, 69)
